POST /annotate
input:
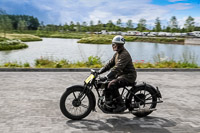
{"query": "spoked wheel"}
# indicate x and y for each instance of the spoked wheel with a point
(143, 101)
(76, 104)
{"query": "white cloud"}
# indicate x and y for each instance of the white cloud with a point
(179, 6)
(123, 10)
(175, 0)
(63, 11)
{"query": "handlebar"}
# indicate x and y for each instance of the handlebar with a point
(94, 72)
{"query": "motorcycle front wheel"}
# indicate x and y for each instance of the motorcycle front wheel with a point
(76, 104)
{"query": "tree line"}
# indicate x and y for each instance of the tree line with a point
(172, 26)
(25, 22)
(17, 22)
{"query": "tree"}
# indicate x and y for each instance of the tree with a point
(32, 22)
(22, 25)
(141, 25)
(5, 24)
(78, 27)
(119, 22)
(100, 25)
(84, 27)
(129, 24)
(189, 24)
(71, 26)
(66, 27)
(84, 23)
(173, 24)
(110, 26)
(157, 25)
(168, 29)
(91, 26)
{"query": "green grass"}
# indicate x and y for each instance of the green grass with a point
(11, 45)
(155, 39)
(14, 41)
(22, 37)
(165, 64)
(96, 40)
(67, 35)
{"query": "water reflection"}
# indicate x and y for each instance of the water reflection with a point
(71, 50)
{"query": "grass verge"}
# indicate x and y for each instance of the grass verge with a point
(95, 62)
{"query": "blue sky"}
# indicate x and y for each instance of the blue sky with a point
(62, 11)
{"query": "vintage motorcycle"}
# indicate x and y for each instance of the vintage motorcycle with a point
(78, 101)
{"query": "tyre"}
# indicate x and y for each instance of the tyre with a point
(142, 101)
(76, 104)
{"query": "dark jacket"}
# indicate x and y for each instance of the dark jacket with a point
(122, 66)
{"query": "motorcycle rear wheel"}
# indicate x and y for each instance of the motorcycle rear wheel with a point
(72, 106)
(143, 98)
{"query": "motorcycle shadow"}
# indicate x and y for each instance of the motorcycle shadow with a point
(123, 124)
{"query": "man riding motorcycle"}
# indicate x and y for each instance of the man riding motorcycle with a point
(122, 73)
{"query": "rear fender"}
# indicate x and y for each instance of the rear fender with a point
(155, 90)
(89, 91)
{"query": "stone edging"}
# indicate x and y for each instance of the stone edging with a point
(88, 70)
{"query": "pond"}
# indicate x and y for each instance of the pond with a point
(72, 51)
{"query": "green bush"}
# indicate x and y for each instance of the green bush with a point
(26, 64)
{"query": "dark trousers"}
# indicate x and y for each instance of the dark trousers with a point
(113, 87)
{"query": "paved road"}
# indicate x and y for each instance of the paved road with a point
(29, 103)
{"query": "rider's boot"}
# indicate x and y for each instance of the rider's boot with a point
(108, 99)
(120, 107)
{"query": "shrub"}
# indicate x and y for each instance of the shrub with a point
(12, 64)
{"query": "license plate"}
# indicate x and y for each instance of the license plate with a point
(89, 78)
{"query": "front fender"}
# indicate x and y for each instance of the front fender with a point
(89, 91)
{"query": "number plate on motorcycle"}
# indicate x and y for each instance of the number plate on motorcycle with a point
(89, 78)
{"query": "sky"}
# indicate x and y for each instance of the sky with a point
(64, 11)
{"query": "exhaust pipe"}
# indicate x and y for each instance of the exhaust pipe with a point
(145, 110)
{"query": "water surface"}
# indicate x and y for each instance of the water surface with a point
(71, 50)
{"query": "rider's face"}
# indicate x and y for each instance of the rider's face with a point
(114, 46)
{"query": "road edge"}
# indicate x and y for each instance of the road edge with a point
(88, 70)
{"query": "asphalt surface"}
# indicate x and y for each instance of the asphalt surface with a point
(29, 103)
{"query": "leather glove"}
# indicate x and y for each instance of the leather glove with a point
(102, 70)
(103, 78)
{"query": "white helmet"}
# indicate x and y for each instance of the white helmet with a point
(118, 40)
